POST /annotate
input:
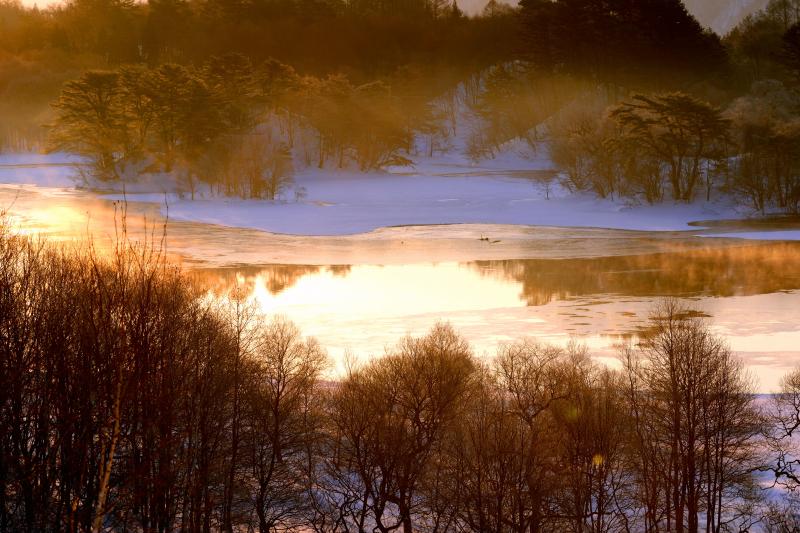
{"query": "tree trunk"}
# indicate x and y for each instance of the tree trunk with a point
(108, 462)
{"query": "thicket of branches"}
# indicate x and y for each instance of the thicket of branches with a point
(130, 400)
(650, 145)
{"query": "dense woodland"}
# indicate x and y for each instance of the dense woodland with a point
(631, 98)
(131, 401)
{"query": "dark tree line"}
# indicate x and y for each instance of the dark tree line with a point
(583, 88)
(322, 36)
(222, 116)
(130, 401)
(620, 42)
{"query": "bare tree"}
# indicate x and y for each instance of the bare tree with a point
(281, 418)
(391, 415)
(695, 424)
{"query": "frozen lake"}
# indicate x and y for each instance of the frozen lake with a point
(360, 293)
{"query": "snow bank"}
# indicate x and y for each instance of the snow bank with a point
(351, 203)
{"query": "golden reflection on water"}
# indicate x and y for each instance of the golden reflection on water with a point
(60, 219)
(714, 271)
(68, 214)
(750, 291)
(745, 269)
(75, 218)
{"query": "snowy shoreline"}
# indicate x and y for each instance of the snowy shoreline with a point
(341, 203)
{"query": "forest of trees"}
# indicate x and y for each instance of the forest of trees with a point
(631, 98)
(227, 94)
(131, 401)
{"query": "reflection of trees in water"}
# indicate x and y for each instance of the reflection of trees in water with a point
(340, 270)
(713, 271)
(277, 278)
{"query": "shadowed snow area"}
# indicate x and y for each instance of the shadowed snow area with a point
(341, 204)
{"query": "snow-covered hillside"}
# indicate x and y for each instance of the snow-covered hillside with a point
(350, 203)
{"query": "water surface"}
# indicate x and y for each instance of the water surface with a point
(493, 283)
(750, 292)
